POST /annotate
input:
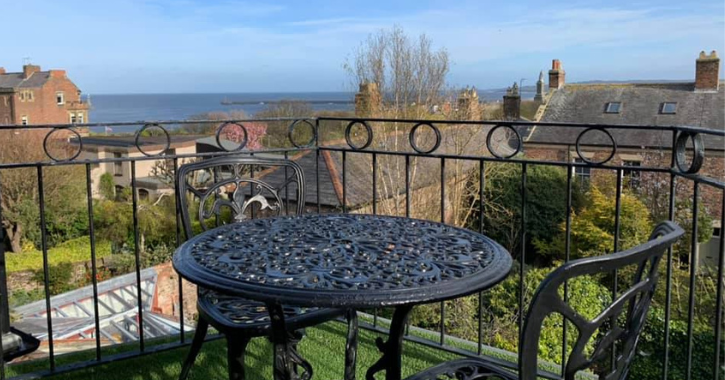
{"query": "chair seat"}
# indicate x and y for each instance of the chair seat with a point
(226, 312)
(465, 369)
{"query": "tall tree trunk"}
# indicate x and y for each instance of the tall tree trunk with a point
(13, 233)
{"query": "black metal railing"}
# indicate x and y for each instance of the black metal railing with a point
(417, 168)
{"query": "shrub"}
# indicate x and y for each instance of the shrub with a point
(648, 363)
(107, 186)
(71, 251)
(59, 278)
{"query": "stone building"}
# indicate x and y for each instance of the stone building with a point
(36, 97)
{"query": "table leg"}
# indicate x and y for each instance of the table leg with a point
(287, 361)
(351, 345)
(392, 350)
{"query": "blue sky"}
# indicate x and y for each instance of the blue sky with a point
(165, 46)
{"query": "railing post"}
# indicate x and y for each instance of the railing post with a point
(4, 305)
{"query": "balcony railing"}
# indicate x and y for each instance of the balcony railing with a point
(496, 177)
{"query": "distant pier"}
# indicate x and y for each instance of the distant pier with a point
(252, 102)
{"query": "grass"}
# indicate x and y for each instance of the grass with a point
(323, 347)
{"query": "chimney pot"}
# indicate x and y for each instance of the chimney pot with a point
(2, 70)
(707, 72)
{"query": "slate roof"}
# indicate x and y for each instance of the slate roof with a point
(16, 80)
(130, 141)
(641, 105)
(308, 162)
(358, 167)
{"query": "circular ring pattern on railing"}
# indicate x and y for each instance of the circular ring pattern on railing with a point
(489, 137)
(411, 138)
(291, 129)
(591, 162)
(242, 144)
(698, 151)
(144, 128)
(56, 159)
(348, 138)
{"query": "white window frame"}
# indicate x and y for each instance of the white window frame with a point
(81, 118)
(72, 117)
(583, 173)
(24, 120)
(635, 176)
(59, 98)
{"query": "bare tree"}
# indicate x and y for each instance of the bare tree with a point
(409, 73)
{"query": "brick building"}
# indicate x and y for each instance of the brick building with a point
(36, 97)
(698, 103)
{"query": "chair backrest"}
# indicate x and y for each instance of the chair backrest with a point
(625, 330)
(229, 183)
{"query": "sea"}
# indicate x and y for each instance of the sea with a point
(163, 107)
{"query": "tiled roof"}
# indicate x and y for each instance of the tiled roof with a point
(16, 80)
(640, 105)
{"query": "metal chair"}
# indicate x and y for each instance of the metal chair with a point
(548, 300)
(228, 192)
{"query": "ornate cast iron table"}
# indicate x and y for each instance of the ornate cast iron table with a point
(342, 261)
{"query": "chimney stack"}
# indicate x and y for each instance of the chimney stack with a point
(707, 72)
(57, 73)
(367, 100)
(557, 75)
(512, 103)
(540, 91)
(28, 70)
(2, 70)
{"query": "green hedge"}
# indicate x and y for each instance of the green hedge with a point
(71, 251)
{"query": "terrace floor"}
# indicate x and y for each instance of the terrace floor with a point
(323, 347)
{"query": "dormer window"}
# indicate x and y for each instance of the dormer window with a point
(613, 107)
(668, 108)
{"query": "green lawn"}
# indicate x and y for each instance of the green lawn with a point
(323, 347)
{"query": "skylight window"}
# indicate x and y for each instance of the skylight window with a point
(613, 107)
(669, 108)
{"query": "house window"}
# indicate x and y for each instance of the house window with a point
(72, 118)
(143, 194)
(24, 120)
(26, 95)
(613, 107)
(716, 232)
(117, 165)
(668, 108)
(81, 118)
(584, 173)
(59, 98)
(632, 175)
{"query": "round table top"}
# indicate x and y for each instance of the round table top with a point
(342, 260)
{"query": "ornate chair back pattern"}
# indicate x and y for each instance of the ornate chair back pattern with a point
(220, 183)
(623, 330)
